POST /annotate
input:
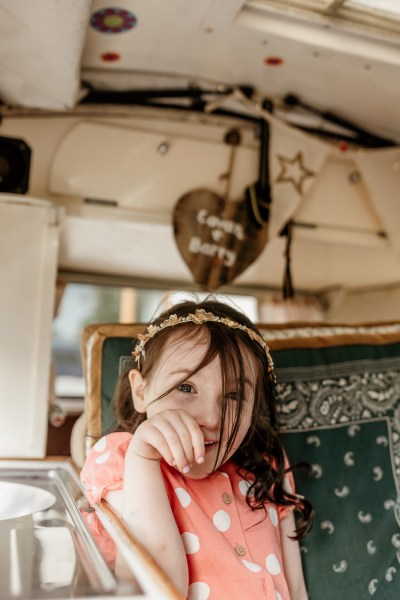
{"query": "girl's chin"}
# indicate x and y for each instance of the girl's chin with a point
(195, 474)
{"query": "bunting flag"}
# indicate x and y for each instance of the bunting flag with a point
(380, 170)
(295, 161)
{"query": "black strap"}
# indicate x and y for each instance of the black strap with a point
(288, 291)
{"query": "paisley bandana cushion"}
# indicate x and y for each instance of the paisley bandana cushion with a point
(338, 405)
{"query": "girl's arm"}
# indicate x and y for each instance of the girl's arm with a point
(174, 436)
(292, 559)
(147, 513)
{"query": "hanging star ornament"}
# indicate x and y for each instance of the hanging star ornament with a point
(294, 171)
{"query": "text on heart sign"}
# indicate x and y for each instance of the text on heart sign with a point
(224, 225)
(218, 226)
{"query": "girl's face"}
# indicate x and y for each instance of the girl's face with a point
(200, 395)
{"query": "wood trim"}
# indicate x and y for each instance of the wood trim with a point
(166, 588)
(92, 341)
(93, 390)
(363, 339)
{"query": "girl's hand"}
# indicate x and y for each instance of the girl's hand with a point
(173, 435)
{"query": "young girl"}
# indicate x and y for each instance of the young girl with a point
(198, 474)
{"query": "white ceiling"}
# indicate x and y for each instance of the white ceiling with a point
(49, 53)
(47, 47)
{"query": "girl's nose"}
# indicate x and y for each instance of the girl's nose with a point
(210, 414)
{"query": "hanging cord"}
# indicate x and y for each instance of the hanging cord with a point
(288, 291)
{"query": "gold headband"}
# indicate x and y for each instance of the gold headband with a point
(199, 317)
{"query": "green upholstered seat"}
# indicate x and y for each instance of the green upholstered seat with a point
(338, 403)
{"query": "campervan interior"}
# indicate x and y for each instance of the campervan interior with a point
(125, 126)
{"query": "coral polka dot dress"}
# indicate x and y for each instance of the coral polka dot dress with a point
(232, 552)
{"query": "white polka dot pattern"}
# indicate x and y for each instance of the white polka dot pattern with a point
(222, 520)
(287, 485)
(244, 486)
(272, 564)
(197, 508)
(102, 458)
(191, 542)
(251, 566)
(273, 515)
(198, 591)
(183, 497)
(100, 446)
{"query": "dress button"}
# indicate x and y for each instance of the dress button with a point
(227, 498)
(240, 550)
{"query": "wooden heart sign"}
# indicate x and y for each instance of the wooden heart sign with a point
(215, 237)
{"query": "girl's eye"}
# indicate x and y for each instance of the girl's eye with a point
(186, 388)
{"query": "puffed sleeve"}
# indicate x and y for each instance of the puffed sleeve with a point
(103, 470)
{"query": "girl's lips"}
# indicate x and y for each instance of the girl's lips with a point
(209, 444)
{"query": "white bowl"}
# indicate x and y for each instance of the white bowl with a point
(18, 500)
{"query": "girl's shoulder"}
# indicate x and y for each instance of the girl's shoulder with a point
(109, 446)
(104, 466)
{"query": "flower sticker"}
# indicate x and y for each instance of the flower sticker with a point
(113, 20)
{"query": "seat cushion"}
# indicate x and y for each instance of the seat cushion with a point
(338, 409)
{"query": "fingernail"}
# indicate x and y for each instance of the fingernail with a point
(186, 469)
(173, 463)
(200, 459)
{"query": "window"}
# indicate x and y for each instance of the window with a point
(79, 306)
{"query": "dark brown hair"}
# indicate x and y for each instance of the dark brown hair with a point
(261, 452)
